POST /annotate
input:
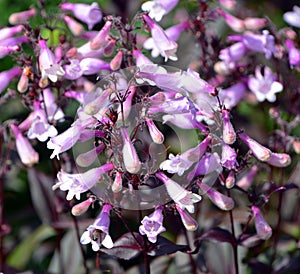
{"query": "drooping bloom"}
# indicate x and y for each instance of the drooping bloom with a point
(220, 200)
(279, 159)
(7, 76)
(6, 50)
(264, 86)
(115, 63)
(229, 135)
(182, 162)
(158, 8)
(21, 17)
(260, 152)
(233, 22)
(27, 154)
(117, 183)
(189, 223)
(89, 14)
(228, 159)
(130, 157)
(47, 63)
(293, 17)
(182, 197)
(166, 47)
(87, 158)
(156, 135)
(79, 183)
(263, 229)
(228, 4)
(233, 53)
(102, 38)
(54, 112)
(82, 207)
(152, 225)
(97, 234)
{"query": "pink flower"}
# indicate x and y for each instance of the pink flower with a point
(6, 50)
(89, 14)
(97, 234)
(156, 135)
(152, 225)
(189, 223)
(7, 76)
(231, 96)
(233, 22)
(102, 38)
(294, 53)
(158, 8)
(79, 183)
(82, 207)
(264, 86)
(75, 27)
(9, 32)
(27, 154)
(263, 230)
(21, 17)
(166, 47)
(279, 159)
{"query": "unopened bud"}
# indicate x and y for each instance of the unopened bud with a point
(296, 146)
(156, 135)
(82, 207)
(117, 184)
(108, 50)
(101, 39)
(279, 159)
(263, 230)
(116, 62)
(23, 82)
(21, 17)
(75, 27)
(230, 180)
(189, 223)
(229, 135)
(255, 23)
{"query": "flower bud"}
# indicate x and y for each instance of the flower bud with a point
(260, 152)
(7, 76)
(246, 180)
(101, 39)
(252, 23)
(75, 27)
(189, 223)
(116, 62)
(9, 32)
(82, 207)
(233, 22)
(6, 50)
(156, 135)
(296, 146)
(21, 17)
(228, 4)
(263, 230)
(230, 180)
(130, 157)
(108, 50)
(229, 135)
(23, 82)
(117, 184)
(279, 159)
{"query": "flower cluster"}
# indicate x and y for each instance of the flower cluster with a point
(151, 136)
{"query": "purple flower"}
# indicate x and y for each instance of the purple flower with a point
(7, 76)
(264, 86)
(263, 230)
(189, 223)
(6, 50)
(49, 105)
(75, 27)
(89, 14)
(229, 135)
(166, 47)
(158, 8)
(228, 157)
(130, 157)
(293, 17)
(156, 135)
(279, 159)
(82, 207)
(40, 128)
(231, 96)
(182, 197)
(140, 58)
(294, 54)
(102, 38)
(9, 32)
(21, 17)
(90, 66)
(260, 152)
(152, 225)
(27, 154)
(79, 183)
(246, 180)
(97, 234)
(222, 201)
(233, 53)
(233, 22)
(182, 162)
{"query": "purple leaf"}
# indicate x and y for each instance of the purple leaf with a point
(216, 234)
(126, 247)
(164, 247)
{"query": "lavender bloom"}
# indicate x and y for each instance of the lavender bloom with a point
(102, 38)
(9, 32)
(89, 14)
(7, 76)
(182, 197)
(293, 17)
(263, 230)
(264, 86)
(87, 158)
(233, 53)
(294, 54)
(231, 96)
(158, 8)
(140, 58)
(75, 27)
(228, 4)
(152, 225)
(6, 50)
(14, 41)
(166, 47)
(116, 62)
(253, 23)
(90, 66)
(40, 127)
(27, 154)
(233, 22)
(279, 159)
(260, 152)
(73, 70)
(228, 157)
(47, 63)
(229, 135)
(130, 157)
(180, 163)
(49, 105)
(189, 223)
(79, 183)
(263, 43)
(221, 201)
(97, 234)
(246, 180)
(156, 135)
(21, 17)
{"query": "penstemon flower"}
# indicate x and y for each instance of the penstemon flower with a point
(263, 230)
(189, 223)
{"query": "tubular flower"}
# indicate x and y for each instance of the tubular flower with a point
(97, 234)
(79, 183)
(263, 230)
(189, 223)
(229, 134)
(152, 225)
(7, 76)
(21, 17)
(182, 197)
(228, 157)
(27, 154)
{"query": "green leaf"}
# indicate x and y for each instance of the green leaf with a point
(21, 255)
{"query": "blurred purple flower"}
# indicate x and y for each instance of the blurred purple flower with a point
(263, 230)
(293, 17)
(189, 223)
